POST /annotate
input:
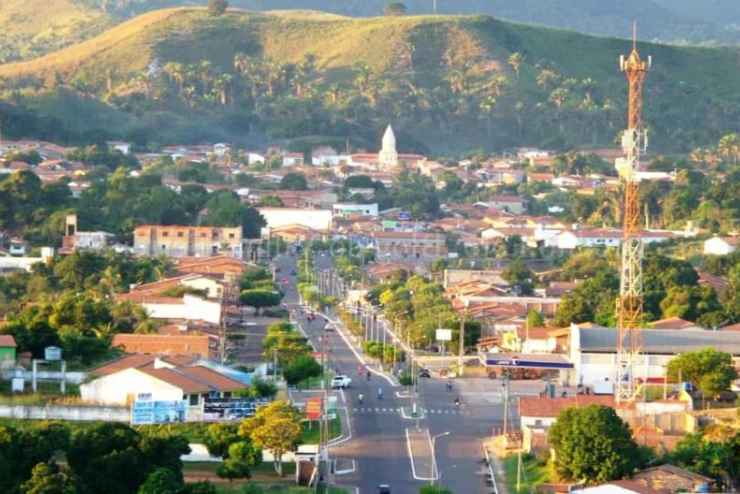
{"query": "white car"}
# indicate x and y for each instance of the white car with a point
(340, 382)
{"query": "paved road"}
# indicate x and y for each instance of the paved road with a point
(385, 445)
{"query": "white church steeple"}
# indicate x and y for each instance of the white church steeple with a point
(388, 156)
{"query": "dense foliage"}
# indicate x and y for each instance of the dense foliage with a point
(593, 444)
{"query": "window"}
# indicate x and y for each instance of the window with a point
(227, 394)
(165, 234)
(202, 235)
(193, 400)
(231, 235)
(144, 396)
(179, 234)
(164, 247)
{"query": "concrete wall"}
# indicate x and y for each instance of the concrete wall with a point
(193, 308)
(64, 412)
(123, 387)
(316, 219)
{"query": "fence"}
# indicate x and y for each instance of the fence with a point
(66, 412)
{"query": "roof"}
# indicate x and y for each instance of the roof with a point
(620, 487)
(672, 323)
(649, 473)
(138, 360)
(163, 344)
(7, 341)
(178, 379)
(534, 406)
(662, 341)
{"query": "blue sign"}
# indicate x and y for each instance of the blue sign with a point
(158, 412)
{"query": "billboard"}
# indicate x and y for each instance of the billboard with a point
(158, 412)
(231, 408)
(444, 335)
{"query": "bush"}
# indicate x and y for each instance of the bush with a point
(304, 367)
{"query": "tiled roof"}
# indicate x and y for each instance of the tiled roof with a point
(534, 406)
(7, 341)
(663, 341)
(672, 323)
(162, 344)
(139, 360)
(197, 379)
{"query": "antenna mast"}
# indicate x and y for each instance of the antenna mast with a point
(629, 304)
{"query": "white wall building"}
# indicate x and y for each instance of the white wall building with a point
(594, 356)
(316, 219)
(388, 156)
(721, 246)
(189, 307)
(344, 210)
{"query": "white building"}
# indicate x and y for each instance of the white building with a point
(344, 210)
(597, 237)
(388, 156)
(189, 307)
(315, 219)
(593, 351)
(123, 147)
(721, 246)
(139, 378)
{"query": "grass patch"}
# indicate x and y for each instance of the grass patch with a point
(534, 473)
(312, 430)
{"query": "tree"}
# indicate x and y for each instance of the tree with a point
(217, 7)
(535, 319)
(303, 367)
(276, 428)
(47, 478)
(259, 298)
(219, 437)
(709, 370)
(294, 181)
(241, 457)
(516, 60)
(434, 489)
(717, 459)
(519, 277)
(162, 481)
(395, 8)
(593, 444)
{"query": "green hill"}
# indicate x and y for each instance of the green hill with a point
(445, 81)
(34, 27)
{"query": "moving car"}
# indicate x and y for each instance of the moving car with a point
(340, 382)
(384, 489)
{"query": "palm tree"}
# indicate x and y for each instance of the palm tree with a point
(729, 147)
(176, 72)
(516, 60)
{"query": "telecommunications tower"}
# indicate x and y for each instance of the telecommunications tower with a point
(629, 304)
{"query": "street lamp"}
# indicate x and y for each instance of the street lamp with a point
(435, 472)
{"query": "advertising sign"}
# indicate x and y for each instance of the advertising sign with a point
(52, 353)
(444, 335)
(313, 408)
(158, 412)
(231, 408)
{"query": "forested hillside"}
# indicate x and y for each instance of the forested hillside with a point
(446, 82)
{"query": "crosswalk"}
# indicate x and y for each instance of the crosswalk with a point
(424, 411)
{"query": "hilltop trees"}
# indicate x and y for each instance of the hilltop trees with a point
(395, 8)
(217, 7)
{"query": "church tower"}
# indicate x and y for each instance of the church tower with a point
(388, 156)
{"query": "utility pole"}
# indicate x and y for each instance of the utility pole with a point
(505, 384)
(434, 6)
(519, 471)
(460, 361)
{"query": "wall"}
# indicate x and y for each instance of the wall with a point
(316, 219)
(65, 412)
(192, 308)
(120, 388)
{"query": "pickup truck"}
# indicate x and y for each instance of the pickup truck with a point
(340, 382)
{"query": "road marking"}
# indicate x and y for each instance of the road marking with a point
(343, 438)
(411, 457)
(347, 471)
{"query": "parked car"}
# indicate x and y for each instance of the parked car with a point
(424, 373)
(340, 382)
